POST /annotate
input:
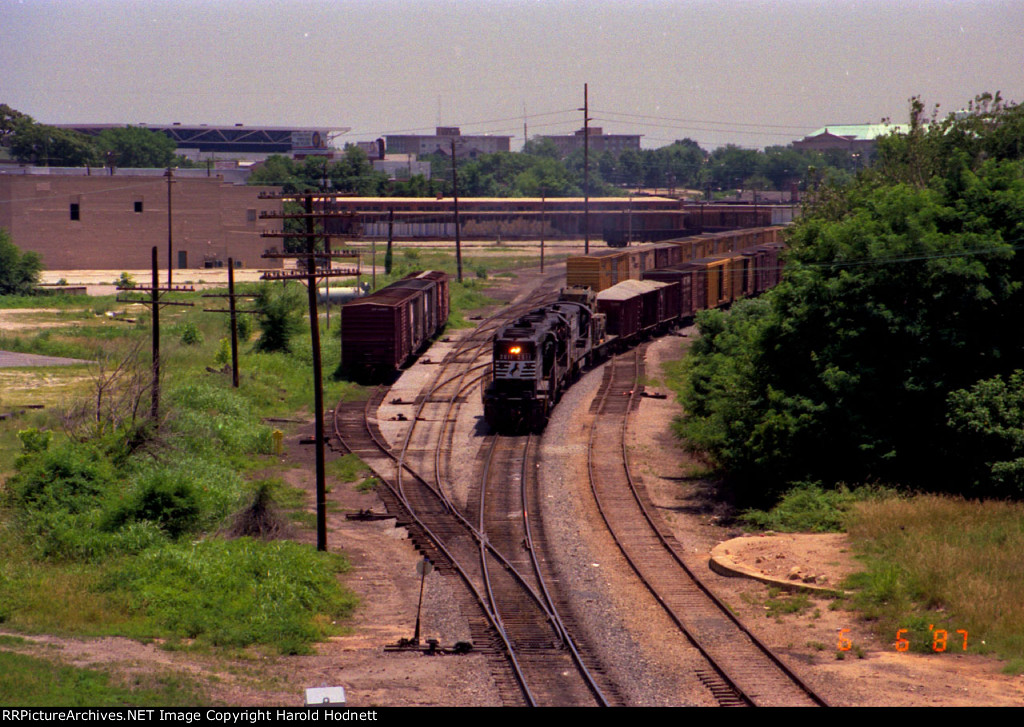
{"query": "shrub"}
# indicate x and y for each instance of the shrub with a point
(161, 498)
(190, 334)
(70, 477)
(19, 272)
(280, 317)
(34, 440)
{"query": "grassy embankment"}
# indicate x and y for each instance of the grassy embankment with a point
(112, 529)
(931, 563)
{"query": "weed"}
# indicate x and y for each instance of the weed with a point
(239, 592)
(779, 603)
(944, 563)
(367, 485)
(348, 468)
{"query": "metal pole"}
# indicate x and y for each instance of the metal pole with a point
(318, 391)
(234, 322)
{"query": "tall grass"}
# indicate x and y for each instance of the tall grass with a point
(947, 563)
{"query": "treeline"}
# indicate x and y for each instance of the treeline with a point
(132, 146)
(892, 352)
(539, 171)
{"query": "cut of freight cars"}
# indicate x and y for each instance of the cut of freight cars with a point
(382, 331)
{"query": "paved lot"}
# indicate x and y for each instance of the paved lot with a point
(9, 359)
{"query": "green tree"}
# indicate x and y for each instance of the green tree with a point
(280, 316)
(899, 290)
(19, 272)
(988, 419)
(33, 143)
(134, 146)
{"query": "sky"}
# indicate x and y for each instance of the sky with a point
(750, 73)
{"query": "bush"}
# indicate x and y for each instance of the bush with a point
(71, 477)
(280, 317)
(808, 508)
(19, 272)
(34, 440)
(190, 335)
(163, 499)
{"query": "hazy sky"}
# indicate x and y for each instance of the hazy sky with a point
(750, 73)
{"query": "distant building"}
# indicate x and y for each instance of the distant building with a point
(111, 222)
(466, 146)
(852, 138)
(237, 141)
(599, 141)
(396, 166)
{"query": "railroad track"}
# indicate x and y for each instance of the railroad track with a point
(742, 670)
(517, 620)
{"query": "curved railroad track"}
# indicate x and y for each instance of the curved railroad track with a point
(743, 671)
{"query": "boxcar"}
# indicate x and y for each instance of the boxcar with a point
(382, 331)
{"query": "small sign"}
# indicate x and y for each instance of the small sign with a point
(424, 567)
(320, 696)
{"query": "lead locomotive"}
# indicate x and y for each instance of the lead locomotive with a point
(537, 357)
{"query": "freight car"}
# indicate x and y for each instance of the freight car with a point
(382, 331)
(539, 355)
(607, 268)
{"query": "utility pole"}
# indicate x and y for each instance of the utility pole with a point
(586, 172)
(155, 292)
(170, 263)
(318, 265)
(233, 310)
(543, 224)
(455, 197)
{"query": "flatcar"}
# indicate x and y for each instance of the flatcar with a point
(382, 331)
(539, 355)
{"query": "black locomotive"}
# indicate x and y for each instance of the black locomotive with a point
(538, 356)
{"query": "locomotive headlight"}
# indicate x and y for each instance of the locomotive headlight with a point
(514, 350)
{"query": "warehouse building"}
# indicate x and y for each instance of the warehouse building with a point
(104, 222)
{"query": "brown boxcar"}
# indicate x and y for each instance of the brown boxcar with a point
(683, 276)
(637, 306)
(381, 331)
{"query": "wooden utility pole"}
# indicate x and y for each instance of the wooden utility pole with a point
(233, 311)
(312, 260)
(318, 381)
(170, 237)
(455, 197)
(586, 172)
(154, 412)
(154, 301)
(543, 224)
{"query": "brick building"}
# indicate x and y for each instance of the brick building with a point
(598, 141)
(111, 222)
(466, 146)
